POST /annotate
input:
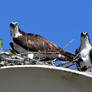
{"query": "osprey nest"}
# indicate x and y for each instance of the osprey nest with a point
(10, 59)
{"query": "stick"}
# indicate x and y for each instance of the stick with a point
(68, 43)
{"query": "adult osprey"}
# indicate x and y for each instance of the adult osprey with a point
(23, 42)
(84, 54)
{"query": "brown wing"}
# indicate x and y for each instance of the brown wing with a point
(34, 42)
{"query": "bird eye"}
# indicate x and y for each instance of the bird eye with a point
(87, 34)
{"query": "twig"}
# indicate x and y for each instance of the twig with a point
(68, 43)
(67, 66)
(62, 63)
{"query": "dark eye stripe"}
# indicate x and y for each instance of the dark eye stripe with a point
(86, 33)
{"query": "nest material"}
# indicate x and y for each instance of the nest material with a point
(40, 58)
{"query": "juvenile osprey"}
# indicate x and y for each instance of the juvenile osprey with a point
(23, 42)
(85, 53)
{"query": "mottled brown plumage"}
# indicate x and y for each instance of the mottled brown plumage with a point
(34, 42)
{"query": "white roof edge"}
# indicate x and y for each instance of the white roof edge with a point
(48, 67)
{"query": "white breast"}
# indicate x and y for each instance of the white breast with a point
(84, 54)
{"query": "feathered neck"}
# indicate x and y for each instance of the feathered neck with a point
(85, 43)
(23, 33)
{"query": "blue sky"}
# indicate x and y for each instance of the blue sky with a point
(57, 20)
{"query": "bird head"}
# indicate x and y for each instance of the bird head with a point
(85, 39)
(84, 36)
(14, 29)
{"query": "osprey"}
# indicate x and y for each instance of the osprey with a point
(24, 42)
(84, 53)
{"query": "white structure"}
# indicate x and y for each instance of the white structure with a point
(39, 78)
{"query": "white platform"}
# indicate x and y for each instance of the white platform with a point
(39, 78)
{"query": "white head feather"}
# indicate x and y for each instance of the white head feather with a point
(14, 29)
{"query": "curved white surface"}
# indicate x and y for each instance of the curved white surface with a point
(40, 78)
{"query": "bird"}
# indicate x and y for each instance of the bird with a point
(84, 54)
(24, 42)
